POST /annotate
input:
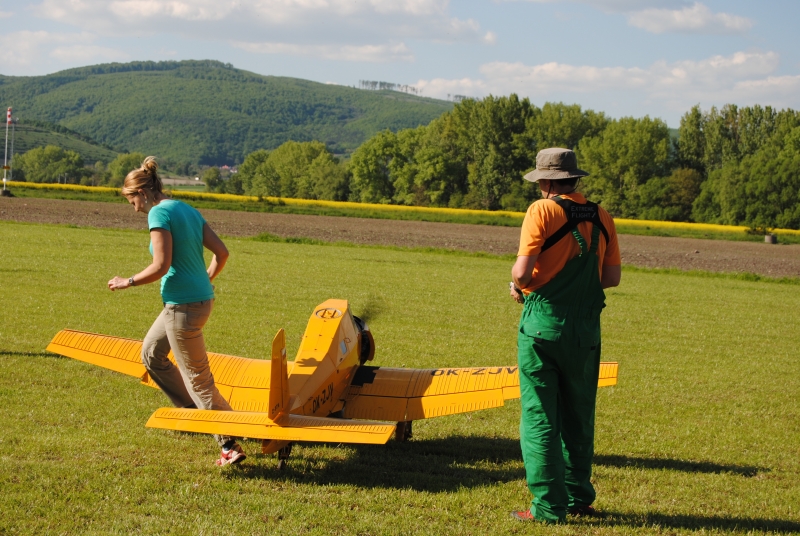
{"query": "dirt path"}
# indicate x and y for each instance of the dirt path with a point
(645, 251)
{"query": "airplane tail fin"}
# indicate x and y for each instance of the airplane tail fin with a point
(279, 378)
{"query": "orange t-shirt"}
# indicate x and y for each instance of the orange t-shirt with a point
(545, 217)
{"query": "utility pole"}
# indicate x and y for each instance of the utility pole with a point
(11, 165)
(5, 157)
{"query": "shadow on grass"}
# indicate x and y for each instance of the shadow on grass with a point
(30, 354)
(435, 465)
(687, 466)
(695, 522)
(439, 465)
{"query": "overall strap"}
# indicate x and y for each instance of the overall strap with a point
(576, 214)
(581, 240)
(595, 239)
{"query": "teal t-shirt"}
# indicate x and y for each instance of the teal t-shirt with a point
(187, 279)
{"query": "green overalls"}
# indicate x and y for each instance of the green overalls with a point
(559, 362)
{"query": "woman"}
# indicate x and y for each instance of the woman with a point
(178, 234)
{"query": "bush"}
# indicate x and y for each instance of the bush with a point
(50, 164)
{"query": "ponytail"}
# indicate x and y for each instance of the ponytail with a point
(145, 177)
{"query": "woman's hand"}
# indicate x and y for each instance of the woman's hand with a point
(162, 260)
(213, 243)
(118, 283)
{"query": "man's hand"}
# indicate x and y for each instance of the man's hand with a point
(118, 283)
(515, 293)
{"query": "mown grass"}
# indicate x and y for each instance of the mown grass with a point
(398, 212)
(700, 435)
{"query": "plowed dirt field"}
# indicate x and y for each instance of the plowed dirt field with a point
(645, 251)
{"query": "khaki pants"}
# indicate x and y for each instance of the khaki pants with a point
(190, 384)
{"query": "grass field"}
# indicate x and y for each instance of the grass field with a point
(701, 434)
(195, 197)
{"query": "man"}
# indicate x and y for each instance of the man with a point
(568, 254)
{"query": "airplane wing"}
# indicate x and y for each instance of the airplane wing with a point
(392, 394)
(243, 382)
(260, 426)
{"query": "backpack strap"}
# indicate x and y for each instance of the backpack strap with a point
(576, 213)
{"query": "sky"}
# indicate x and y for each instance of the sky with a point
(623, 57)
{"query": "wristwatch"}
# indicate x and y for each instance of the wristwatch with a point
(131, 282)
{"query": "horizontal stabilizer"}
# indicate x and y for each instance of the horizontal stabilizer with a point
(243, 382)
(114, 353)
(608, 373)
(259, 426)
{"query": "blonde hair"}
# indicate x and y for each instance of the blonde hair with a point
(145, 177)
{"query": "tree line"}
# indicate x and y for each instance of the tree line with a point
(732, 165)
(56, 164)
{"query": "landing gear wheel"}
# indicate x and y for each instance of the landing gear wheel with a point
(403, 431)
(283, 456)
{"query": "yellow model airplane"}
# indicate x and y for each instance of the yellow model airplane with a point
(319, 395)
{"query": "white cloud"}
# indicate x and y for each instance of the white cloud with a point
(6, 14)
(26, 49)
(359, 28)
(784, 85)
(691, 19)
(743, 77)
(83, 54)
(668, 16)
(364, 53)
(618, 6)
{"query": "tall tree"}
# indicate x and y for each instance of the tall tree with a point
(563, 125)
(761, 191)
(291, 162)
(627, 154)
(372, 181)
(496, 144)
(691, 144)
(213, 180)
(50, 164)
(122, 165)
(250, 175)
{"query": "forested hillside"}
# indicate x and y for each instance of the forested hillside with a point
(207, 112)
(32, 134)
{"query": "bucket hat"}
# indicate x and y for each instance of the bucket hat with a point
(555, 164)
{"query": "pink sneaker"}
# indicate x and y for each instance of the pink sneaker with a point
(234, 455)
(523, 515)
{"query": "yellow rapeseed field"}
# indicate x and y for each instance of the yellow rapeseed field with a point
(64, 187)
(677, 225)
(179, 194)
(343, 204)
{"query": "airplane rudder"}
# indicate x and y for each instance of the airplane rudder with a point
(279, 345)
(279, 381)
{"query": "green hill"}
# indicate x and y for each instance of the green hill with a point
(32, 134)
(208, 112)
